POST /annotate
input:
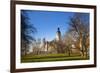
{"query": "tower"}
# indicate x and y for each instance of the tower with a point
(58, 34)
(45, 45)
(44, 42)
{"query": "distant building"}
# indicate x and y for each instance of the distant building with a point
(48, 45)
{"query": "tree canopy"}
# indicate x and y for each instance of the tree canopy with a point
(27, 30)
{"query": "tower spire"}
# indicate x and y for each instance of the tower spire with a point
(58, 34)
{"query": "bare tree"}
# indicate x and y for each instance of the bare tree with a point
(80, 26)
(68, 40)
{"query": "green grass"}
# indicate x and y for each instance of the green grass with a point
(51, 57)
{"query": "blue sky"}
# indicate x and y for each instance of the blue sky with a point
(47, 22)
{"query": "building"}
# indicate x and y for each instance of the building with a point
(48, 46)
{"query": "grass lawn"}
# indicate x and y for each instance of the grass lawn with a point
(51, 57)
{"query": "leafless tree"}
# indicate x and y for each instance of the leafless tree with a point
(79, 23)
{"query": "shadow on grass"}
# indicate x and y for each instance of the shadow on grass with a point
(52, 57)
